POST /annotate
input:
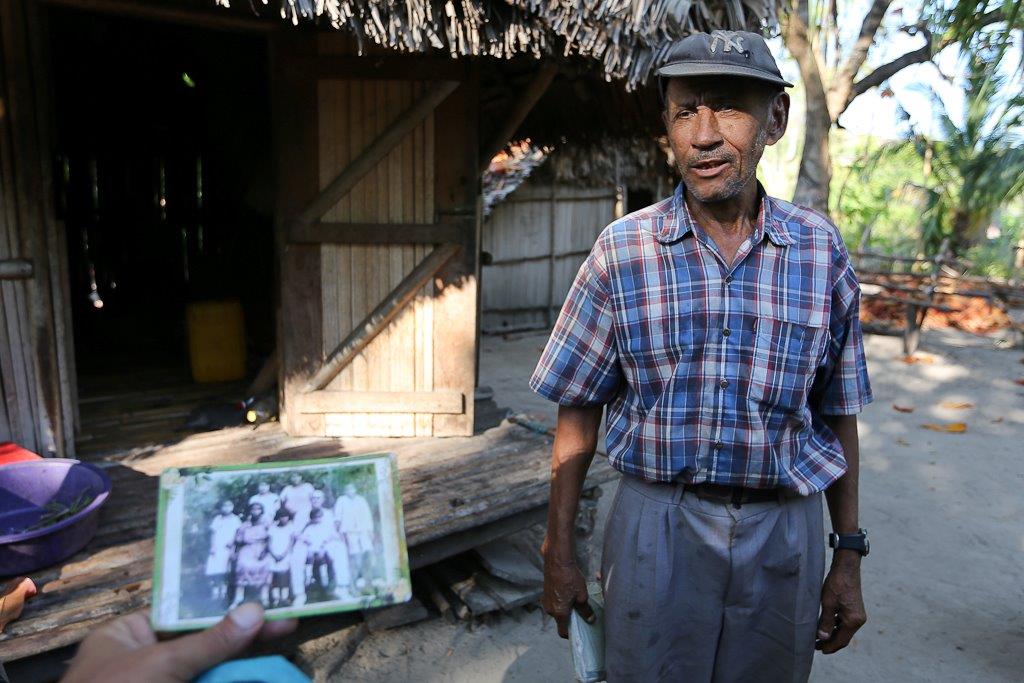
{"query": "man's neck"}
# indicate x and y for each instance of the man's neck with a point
(733, 218)
(727, 223)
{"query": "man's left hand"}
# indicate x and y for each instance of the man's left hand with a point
(842, 605)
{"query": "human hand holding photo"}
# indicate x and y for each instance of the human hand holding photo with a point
(127, 649)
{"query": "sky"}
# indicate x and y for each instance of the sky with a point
(873, 114)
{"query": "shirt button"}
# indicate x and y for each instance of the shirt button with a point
(723, 383)
(718, 445)
(726, 332)
(728, 279)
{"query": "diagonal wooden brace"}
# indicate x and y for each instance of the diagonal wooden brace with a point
(384, 313)
(377, 150)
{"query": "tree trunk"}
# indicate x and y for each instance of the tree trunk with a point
(963, 236)
(812, 183)
(815, 176)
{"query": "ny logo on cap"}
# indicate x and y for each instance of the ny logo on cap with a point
(730, 39)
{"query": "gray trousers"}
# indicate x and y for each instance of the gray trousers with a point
(697, 590)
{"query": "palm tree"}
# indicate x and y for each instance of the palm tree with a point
(978, 165)
(836, 68)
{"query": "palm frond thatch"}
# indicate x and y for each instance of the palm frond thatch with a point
(628, 37)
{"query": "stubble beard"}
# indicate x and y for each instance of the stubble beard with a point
(735, 184)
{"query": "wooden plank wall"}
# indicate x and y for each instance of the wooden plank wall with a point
(36, 366)
(355, 277)
(300, 343)
(332, 104)
(537, 238)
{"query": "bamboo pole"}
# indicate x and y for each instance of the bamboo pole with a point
(15, 269)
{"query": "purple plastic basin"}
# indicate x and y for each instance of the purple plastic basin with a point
(25, 489)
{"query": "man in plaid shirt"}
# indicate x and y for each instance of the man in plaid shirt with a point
(720, 328)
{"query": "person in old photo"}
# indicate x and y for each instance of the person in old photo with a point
(334, 546)
(281, 546)
(222, 531)
(267, 498)
(355, 524)
(253, 561)
(297, 496)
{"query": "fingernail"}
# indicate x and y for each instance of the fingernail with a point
(822, 635)
(247, 616)
(592, 618)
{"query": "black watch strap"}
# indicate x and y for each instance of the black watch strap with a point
(857, 541)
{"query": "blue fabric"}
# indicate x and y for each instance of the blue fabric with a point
(272, 669)
(714, 371)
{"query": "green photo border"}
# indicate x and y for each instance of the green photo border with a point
(283, 613)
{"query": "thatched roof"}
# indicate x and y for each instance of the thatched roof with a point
(636, 162)
(628, 37)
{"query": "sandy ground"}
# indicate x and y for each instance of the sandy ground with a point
(943, 584)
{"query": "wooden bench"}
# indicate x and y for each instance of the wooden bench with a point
(915, 310)
(458, 493)
(917, 297)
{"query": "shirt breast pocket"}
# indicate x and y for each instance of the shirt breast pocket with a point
(785, 358)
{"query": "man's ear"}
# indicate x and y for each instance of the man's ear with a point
(778, 117)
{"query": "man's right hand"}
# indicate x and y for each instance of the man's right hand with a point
(565, 589)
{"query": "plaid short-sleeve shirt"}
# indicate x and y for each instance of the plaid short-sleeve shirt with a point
(714, 372)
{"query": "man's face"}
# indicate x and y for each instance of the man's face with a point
(296, 479)
(317, 498)
(350, 490)
(264, 487)
(227, 507)
(718, 128)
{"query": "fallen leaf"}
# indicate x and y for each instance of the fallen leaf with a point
(903, 409)
(949, 427)
(996, 421)
(902, 442)
(956, 405)
(13, 595)
(912, 360)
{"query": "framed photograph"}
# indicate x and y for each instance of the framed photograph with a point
(302, 537)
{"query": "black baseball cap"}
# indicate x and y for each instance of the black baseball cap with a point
(722, 53)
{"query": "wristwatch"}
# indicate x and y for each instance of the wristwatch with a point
(857, 541)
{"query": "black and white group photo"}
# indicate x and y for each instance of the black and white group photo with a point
(291, 538)
(286, 542)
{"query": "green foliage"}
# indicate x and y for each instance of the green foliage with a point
(878, 189)
(979, 164)
(996, 257)
(969, 21)
(916, 193)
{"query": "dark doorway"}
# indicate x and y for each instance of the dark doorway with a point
(164, 183)
(638, 198)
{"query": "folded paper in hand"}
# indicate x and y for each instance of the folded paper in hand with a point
(587, 640)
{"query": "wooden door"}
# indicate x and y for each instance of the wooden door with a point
(379, 227)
